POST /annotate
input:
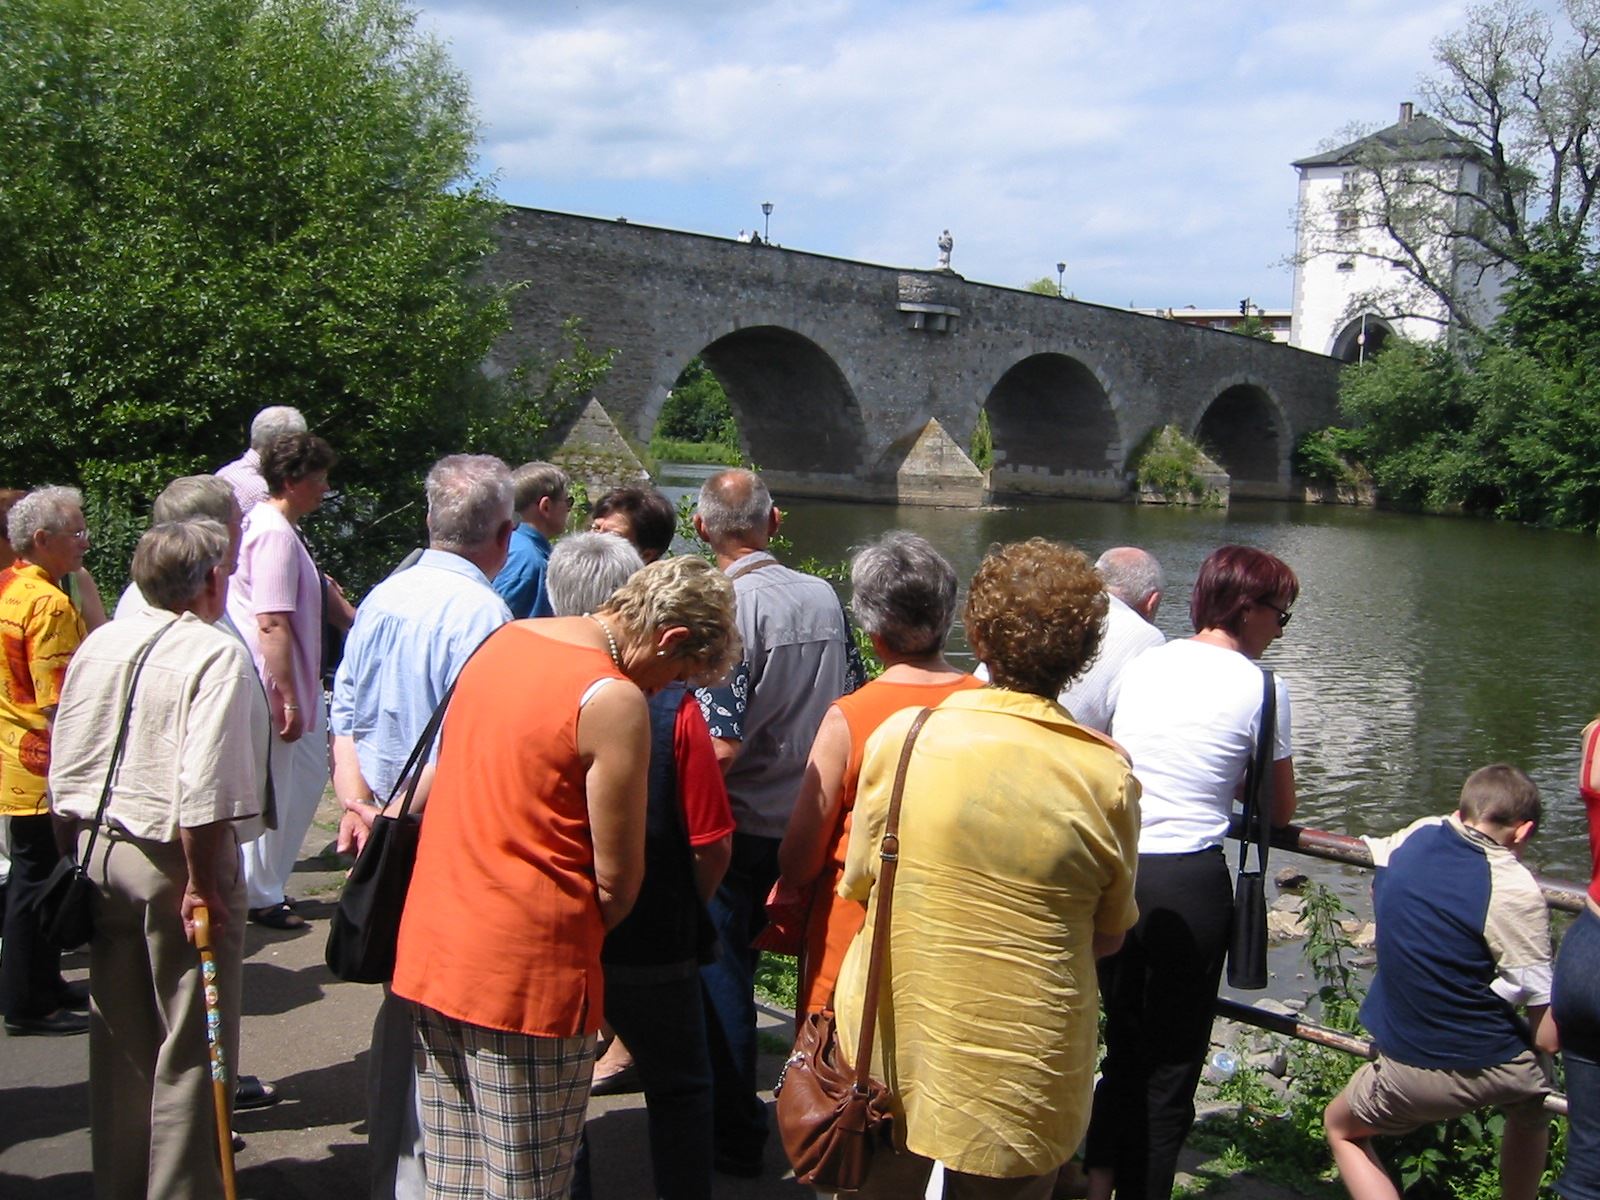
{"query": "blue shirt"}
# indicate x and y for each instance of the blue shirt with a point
(1463, 935)
(411, 635)
(521, 581)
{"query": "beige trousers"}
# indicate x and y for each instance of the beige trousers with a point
(153, 1130)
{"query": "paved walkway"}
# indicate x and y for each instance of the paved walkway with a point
(308, 1033)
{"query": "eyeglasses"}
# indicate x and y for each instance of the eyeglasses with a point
(1283, 613)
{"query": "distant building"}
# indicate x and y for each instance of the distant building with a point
(1350, 293)
(1276, 320)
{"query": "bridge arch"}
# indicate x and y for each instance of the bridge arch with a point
(1347, 345)
(1244, 430)
(1055, 429)
(797, 414)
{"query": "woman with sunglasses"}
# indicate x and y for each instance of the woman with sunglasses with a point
(1187, 713)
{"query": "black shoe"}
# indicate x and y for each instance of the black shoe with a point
(238, 1143)
(57, 1024)
(75, 996)
(252, 1093)
(739, 1168)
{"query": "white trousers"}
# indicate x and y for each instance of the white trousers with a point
(299, 775)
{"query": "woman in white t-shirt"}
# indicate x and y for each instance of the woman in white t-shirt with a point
(1188, 714)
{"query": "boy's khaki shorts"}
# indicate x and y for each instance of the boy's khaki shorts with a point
(1394, 1098)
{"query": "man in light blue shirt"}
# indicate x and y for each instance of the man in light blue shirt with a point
(411, 636)
(543, 499)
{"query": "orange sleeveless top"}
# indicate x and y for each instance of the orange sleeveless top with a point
(501, 927)
(832, 923)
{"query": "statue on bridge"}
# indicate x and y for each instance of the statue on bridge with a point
(946, 244)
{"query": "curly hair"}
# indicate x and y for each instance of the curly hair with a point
(685, 591)
(1035, 614)
(292, 457)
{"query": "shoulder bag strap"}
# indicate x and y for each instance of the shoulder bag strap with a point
(889, 852)
(122, 737)
(1258, 779)
(755, 566)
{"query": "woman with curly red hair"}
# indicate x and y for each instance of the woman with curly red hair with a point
(1017, 834)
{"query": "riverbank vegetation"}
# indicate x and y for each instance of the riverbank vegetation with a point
(213, 208)
(696, 423)
(1171, 468)
(1503, 424)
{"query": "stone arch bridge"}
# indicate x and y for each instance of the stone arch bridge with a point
(837, 370)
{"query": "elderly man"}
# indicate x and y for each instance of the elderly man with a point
(1134, 583)
(243, 474)
(411, 636)
(187, 787)
(544, 501)
(798, 653)
(39, 632)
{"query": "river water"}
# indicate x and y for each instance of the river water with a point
(1421, 647)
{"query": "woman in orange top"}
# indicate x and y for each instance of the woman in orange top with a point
(903, 593)
(533, 847)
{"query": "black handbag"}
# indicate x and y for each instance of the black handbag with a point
(64, 908)
(365, 929)
(1247, 942)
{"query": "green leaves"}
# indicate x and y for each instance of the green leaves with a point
(209, 206)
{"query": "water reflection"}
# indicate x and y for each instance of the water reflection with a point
(1421, 647)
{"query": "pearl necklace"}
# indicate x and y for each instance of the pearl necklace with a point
(616, 655)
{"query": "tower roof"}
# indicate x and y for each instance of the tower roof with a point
(1419, 138)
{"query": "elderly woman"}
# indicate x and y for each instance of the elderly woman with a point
(652, 959)
(40, 629)
(1016, 870)
(533, 848)
(642, 515)
(187, 787)
(275, 601)
(903, 594)
(1188, 712)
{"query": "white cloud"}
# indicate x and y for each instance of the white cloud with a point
(1147, 143)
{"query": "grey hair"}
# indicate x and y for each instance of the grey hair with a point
(903, 591)
(469, 498)
(43, 509)
(1130, 574)
(192, 497)
(533, 481)
(733, 503)
(273, 423)
(586, 568)
(172, 560)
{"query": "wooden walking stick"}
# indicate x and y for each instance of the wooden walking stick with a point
(219, 1068)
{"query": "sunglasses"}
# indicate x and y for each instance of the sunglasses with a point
(1283, 613)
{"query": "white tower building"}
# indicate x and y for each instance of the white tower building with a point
(1366, 211)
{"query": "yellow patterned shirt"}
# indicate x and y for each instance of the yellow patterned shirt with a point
(39, 630)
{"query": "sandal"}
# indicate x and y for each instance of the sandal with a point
(251, 1093)
(277, 916)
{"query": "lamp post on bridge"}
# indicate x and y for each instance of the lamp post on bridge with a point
(1061, 277)
(766, 221)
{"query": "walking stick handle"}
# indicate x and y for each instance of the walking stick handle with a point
(220, 1084)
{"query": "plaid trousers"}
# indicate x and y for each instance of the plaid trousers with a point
(501, 1112)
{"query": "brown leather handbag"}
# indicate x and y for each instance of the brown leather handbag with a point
(832, 1117)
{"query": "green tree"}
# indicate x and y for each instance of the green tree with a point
(207, 206)
(697, 409)
(1043, 286)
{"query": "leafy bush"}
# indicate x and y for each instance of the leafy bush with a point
(1171, 466)
(1332, 456)
(674, 450)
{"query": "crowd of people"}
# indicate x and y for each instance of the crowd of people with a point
(651, 766)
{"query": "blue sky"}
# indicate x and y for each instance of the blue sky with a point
(1145, 143)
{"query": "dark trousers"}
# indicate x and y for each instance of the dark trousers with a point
(738, 910)
(1575, 1004)
(30, 967)
(1159, 991)
(663, 1026)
